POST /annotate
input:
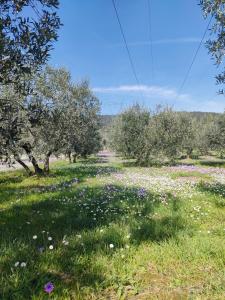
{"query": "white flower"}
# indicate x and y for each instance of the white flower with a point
(17, 264)
(23, 264)
(111, 246)
(34, 237)
(50, 238)
(51, 247)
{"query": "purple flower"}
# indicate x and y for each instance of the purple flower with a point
(142, 192)
(49, 287)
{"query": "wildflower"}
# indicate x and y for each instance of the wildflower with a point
(50, 238)
(49, 287)
(111, 246)
(51, 247)
(17, 264)
(34, 237)
(23, 264)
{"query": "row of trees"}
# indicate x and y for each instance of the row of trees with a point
(165, 134)
(59, 117)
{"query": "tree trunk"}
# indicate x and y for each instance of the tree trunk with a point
(189, 153)
(74, 158)
(29, 172)
(32, 159)
(221, 154)
(69, 156)
(46, 162)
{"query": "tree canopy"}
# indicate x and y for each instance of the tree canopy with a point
(27, 30)
(216, 45)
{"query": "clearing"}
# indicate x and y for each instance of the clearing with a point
(104, 229)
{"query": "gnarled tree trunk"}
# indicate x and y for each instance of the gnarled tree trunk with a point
(69, 156)
(74, 158)
(32, 159)
(46, 162)
(27, 169)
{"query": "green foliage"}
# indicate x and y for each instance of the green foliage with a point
(216, 135)
(127, 131)
(58, 118)
(216, 44)
(25, 42)
(165, 135)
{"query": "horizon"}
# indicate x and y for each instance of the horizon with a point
(201, 112)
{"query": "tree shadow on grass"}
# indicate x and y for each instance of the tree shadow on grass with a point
(78, 217)
(217, 189)
(65, 177)
(212, 163)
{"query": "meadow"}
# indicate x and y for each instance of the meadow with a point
(107, 229)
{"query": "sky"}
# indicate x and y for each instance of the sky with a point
(91, 46)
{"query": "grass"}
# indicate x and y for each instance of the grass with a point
(117, 233)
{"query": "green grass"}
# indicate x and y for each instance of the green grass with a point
(110, 239)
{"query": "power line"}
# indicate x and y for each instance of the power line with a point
(35, 9)
(150, 34)
(125, 43)
(194, 58)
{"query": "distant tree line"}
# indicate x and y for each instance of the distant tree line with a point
(165, 135)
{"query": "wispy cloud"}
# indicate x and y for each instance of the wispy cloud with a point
(214, 105)
(147, 90)
(159, 94)
(161, 42)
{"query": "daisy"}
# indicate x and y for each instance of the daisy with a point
(23, 264)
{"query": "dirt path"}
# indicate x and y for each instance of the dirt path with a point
(16, 166)
(105, 156)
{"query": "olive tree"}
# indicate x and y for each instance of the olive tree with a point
(216, 45)
(163, 136)
(127, 131)
(27, 30)
(58, 116)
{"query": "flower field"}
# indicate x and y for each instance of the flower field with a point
(100, 230)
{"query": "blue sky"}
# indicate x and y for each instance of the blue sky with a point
(90, 45)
